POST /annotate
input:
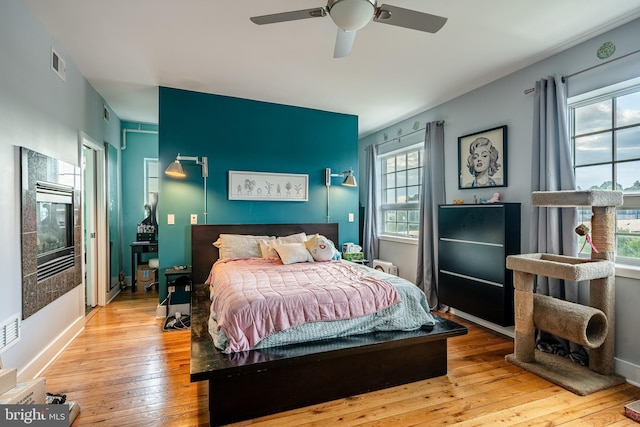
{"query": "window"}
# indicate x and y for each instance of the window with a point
(401, 177)
(150, 181)
(605, 134)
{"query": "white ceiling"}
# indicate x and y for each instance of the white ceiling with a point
(126, 49)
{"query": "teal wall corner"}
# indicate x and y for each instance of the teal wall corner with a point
(246, 135)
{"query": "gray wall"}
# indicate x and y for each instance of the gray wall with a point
(503, 102)
(45, 114)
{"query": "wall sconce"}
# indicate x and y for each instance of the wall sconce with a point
(175, 170)
(349, 181)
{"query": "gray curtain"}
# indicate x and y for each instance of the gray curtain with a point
(552, 229)
(370, 228)
(432, 195)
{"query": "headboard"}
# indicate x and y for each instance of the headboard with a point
(204, 254)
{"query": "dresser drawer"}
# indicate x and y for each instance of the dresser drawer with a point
(471, 259)
(479, 224)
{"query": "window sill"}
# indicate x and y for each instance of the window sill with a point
(628, 271)
(622, 270)
(398, 239)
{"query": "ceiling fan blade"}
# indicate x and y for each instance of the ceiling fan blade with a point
(400, 17)
(295, 15)
(344, 43)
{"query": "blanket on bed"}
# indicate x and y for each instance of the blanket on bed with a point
(254, 298)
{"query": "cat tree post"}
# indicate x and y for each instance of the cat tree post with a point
(591, 326)
(525, 344)
(602, 291)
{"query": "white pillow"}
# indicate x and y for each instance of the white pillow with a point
(291, 253)
(239, 245)
(266, 246)
(293, 238)
(320, 247)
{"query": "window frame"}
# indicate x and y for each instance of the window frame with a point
(630, 200)
(384, 207)
(148, 198)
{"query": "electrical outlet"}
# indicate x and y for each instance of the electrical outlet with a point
(187, 288)
(172, 289)
(194, 218)
(350, 216)
(171, 219)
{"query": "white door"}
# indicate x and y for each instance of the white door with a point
(95, 238)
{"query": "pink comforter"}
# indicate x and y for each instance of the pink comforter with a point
(254, 298)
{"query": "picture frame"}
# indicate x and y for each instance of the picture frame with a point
(491, 145)
(268, 186)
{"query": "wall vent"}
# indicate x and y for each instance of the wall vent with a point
(9, 332)
(57, 64)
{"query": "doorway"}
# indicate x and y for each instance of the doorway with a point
(94, 223)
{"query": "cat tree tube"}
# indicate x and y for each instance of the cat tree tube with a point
(592, 326)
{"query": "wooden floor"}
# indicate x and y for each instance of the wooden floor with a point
(124, 370)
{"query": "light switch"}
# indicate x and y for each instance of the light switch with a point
(171, 219)
(194, 218)
(350, 216)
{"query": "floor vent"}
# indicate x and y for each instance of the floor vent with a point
(9, 332)
(57, 65)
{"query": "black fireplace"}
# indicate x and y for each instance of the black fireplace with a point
(51, 230)
(54, 213)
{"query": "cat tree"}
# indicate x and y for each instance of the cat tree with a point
(591, 326)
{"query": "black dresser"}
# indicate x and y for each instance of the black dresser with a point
(473, 243)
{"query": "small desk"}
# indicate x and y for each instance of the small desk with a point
(137, 249)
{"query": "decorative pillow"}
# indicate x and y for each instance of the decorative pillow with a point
(320, 247)
(239, 245)
(291, 253)
(266, 246)
(267, 250)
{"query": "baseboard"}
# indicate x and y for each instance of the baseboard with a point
(38, 364)
(628, 370)
(113, 293)
(508, 331)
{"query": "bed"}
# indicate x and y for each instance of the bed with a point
(250, 384)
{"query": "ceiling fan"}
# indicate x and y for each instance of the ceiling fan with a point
(352, 15)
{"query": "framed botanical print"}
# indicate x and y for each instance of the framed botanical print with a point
(268, 186)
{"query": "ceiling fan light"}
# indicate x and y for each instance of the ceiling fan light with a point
(351, 15)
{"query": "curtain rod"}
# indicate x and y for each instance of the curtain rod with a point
(397, 138)
(528, 91)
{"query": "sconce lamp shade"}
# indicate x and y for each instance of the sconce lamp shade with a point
(175, 170)
(350, 180)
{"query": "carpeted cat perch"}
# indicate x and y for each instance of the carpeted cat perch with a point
(591, 326)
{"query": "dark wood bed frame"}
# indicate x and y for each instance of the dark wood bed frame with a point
(255, 383)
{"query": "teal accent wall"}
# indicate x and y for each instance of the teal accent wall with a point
(138, 147)
(246, 135)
